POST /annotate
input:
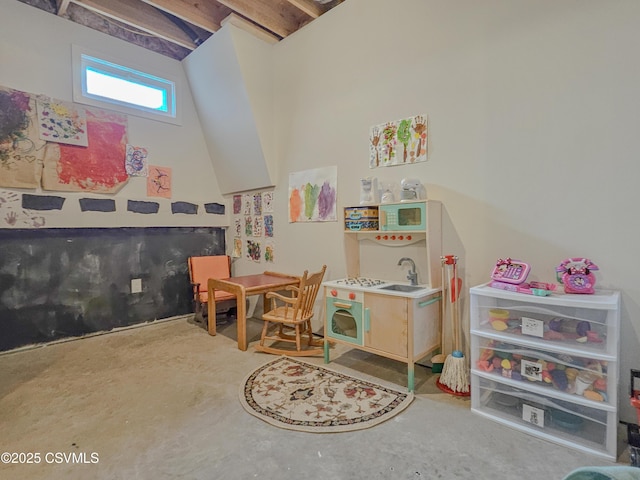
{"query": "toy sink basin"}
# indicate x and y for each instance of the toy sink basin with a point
(396, 287)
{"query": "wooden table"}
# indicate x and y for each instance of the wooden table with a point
(242, 287)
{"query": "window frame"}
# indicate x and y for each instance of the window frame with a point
(83, 58)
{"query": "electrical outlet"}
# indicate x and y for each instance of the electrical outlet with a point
(136, 285)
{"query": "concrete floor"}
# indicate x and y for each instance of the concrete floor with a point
(161, 402)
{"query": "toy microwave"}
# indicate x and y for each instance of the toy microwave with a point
(403, 216)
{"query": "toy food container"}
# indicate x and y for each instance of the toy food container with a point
(363, 218)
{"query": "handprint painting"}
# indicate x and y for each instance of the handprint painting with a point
(399, 142)
(312, 195)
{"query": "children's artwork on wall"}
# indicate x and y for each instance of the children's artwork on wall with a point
(267, 202)
(159, 182)
(237, 204)
(247, 204)
(248, 225)
(136, 163)
(399, 142)
(13, 214)
(62, 122)
(237, 227)
(237, 247)
(257, 226)
(99, 167)
(269, 254)
(257, 204)
(312, 195)
(268, 225)
(253, 250)
(21, 150)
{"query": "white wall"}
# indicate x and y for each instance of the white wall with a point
(35, 54)
(533, 112)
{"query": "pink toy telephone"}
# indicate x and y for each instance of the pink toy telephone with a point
(575, 274)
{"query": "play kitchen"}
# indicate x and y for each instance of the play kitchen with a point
(370, 310)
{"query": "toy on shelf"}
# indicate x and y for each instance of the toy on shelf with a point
(509, 274)
(576, 275)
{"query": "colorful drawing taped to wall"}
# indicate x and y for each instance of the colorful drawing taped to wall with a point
(268, 225)
(237, 227)
(248, 225)
(399, 142)
(237, 248)
(14, 215)
(237, 204)
(253, 250)
(312, 195)
(257, 204)
(247, 206)
(136, 163)
(21, 151)
(269, 253)
(62, 122)
(99, 167)
(159, 182)
(257, 226)
(267, 202)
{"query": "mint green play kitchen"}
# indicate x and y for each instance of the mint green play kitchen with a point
(400, 320)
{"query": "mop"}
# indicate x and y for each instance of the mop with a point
(455, 372)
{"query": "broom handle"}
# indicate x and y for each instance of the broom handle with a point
(454, 308)
(444, 305)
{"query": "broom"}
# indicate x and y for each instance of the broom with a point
(455, 372)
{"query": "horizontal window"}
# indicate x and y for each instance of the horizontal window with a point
(103, 83)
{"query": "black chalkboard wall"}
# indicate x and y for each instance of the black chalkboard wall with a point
(66, 282)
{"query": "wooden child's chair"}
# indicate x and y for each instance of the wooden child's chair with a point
(201, 269)
(293, 313)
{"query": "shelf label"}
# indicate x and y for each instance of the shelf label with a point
(533, 415)
(531, 370)
(533, 327)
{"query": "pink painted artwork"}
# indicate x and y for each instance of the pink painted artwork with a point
(98, 167)
(159, 182)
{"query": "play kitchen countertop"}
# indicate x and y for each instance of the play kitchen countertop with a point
(396, 289)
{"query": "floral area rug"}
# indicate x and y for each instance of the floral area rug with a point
(297, 395)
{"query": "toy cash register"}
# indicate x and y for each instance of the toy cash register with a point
(510, 271)
(511, 274)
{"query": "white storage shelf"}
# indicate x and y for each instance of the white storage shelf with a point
(552, 360)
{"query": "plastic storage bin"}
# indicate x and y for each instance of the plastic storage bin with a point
(548, 366)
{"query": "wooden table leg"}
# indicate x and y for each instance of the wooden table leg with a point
(241, 300)
(211, 308)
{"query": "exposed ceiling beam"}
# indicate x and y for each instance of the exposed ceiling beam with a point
(311, 8)
(278, 20)
(62, 6)
(140, 16)
(252, 28)
(205, 14)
